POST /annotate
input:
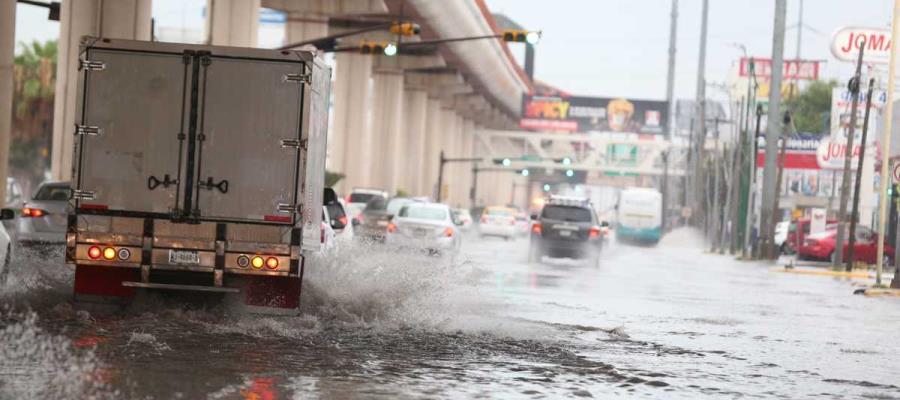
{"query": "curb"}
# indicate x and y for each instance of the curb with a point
(820, 272)
(882, 292)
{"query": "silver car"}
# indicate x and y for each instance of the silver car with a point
(43, 218)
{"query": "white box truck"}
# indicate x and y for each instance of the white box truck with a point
(196, 168)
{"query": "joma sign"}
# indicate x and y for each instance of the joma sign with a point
(846, 43)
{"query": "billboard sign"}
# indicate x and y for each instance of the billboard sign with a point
(831, 154)
(841, 104)
(846, 42)
(793, 69)
(583, 114)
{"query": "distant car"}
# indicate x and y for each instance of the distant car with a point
(465, 219)
(523, 223)
(797, 227)
(498, 221)
(326, 232)
(362, 196)
(338, 219)
(374, 220)
(567, 227)
(43, 219)
(821, 246)
(425, 226)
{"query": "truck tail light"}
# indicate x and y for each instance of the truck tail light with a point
(391, 228)
(94, 252)
(109, 253)
(124, 254)
(257, 262)
(537, 228)
(448, 232)
(243, 261)
(272, 263)
(33, 212)
(594, 232)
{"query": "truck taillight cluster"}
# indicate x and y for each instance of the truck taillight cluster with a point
(108, 253)
(257, 262)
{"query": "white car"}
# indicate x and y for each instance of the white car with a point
(465, 219)
(44, 217)
(426, 226)
(6, 214)
(361, 196)
(781, 232)
(498, 221)
(327, 234)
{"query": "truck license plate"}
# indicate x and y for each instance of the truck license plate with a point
(184, 257)
(565, 233)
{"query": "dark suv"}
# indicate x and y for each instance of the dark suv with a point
(567, 227)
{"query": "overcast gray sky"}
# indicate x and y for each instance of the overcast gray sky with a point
(618, 47)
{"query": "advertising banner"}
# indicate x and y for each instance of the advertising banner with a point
(793, 69)
(841, 100)
(583, 114)
(846, 42)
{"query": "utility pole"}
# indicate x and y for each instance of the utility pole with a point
(854, 215)
(749, 160)
(773, 130)
(751, 214)
(700, 136)
(714, 224)
(670, 103)
(884, 199)
(853, 86)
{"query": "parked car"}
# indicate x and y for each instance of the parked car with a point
(338, 219)
(567, 227)
(821, 246)
(498, 221)
(792, 240)
(373, 221)
(465, 219)
(44, 217)
(425, 226)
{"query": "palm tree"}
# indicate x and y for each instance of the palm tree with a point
(33, 91)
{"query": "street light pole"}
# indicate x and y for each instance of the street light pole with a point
(885, 155)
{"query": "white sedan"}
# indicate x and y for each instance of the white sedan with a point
(427, 226)
(6, 214)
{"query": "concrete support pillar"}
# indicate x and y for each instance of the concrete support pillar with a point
(468, 151)
(445, 133)
(233, 22)
(414, 143)
(120, 19)
(7, 55)
(350, 139)
(387, 129)
(301, 27)
(459, 180)
(433, 120)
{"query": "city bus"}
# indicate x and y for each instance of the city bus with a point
(639, 216)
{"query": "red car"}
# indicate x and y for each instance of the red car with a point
(790, 242)
(820, 246)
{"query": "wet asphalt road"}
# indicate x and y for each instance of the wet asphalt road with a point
(663, 322)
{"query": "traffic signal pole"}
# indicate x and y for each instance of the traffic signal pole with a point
(440, 181)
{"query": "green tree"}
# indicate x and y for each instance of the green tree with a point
(811, 108)
(332, 178)
(33, 91)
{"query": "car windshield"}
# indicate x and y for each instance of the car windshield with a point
(393, 206)
(53, 193)
(424, 212)
(567, 213)
(498, 212)
(376, 204)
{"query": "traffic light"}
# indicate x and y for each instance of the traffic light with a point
(570, 173)
(405, 28)
(524, 172)
(564, 161)
(375, 48)
(522, 36)
(546, 187)
(502, 161)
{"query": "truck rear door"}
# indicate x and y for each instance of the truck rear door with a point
(130, 130)
(248, 140)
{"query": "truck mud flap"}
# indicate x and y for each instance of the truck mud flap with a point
(270, 291)
(94, 280)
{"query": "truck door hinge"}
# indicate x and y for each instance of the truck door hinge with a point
(83, 194)
(297, 78)
(295, 143)
(88, 130)
(286, 208)
(90, 65)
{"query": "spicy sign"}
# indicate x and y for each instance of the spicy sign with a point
(793, 69)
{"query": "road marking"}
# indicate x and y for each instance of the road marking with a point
(841, 274)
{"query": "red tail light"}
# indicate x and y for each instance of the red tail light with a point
(94, 252)
(272, 263)
(448, 232)
(359, 218)
(322, 233)
(33, 212)
(536, 228)
(391, 228)
(483, 219)
(343, 220)
(594, 232)
(512, 222)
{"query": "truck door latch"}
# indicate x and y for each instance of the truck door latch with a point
(89, 65)
(83, 194)
(210, 184)
(295, 143)
(154, 182)
(88, 130)
(286, 208)
(297, 78)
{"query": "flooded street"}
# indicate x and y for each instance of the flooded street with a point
(665, 322)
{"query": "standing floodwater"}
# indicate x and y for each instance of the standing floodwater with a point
(666, 321)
